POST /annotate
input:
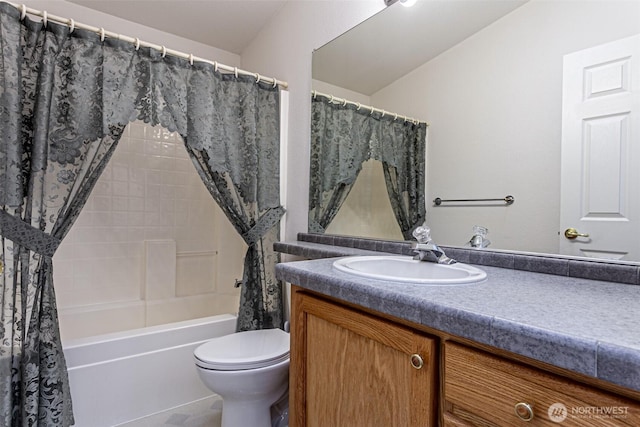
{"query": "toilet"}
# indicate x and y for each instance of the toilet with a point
(249, 370)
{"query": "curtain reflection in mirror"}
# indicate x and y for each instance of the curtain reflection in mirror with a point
(343, 137)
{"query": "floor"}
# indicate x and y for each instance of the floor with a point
(203, 413)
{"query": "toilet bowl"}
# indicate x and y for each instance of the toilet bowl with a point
(249, 370)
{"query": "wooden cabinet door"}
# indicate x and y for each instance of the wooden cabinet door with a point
(353, 369)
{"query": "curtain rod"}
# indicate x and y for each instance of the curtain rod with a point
(138, 43)
(343, 101)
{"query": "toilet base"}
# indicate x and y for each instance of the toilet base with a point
(254, 413)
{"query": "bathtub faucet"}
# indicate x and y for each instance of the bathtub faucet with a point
(424, 247)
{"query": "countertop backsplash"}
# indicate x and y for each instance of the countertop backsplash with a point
(314, 246)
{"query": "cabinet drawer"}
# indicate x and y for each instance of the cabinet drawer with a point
(483, 390)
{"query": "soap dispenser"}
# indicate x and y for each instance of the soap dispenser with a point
(479, 239)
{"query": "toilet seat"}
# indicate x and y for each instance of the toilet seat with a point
(244, 350)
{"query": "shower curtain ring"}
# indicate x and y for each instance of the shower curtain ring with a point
(191, 58)
(395, 117)
(23, 12)
(215, 66)
(258, 78)
(137, 43)
(275, 82)
(235, 71)
(358, 106)
(72, 25)
(164, 51)
(44, 18)
(101, 34)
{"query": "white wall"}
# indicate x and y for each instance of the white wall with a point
(283, 49)
(91, 17)
(494, 107)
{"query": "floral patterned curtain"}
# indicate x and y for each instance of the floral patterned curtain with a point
(236, 151)
(403, 156)
(340, 139)
(65, 99)
(343, 137)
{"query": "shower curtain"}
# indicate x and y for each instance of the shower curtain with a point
(65, 99)
(343, 137)
(340, 144)
(403, 155)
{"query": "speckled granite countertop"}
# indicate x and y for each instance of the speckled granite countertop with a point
(587, 326)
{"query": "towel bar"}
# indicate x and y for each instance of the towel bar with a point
(508, 200)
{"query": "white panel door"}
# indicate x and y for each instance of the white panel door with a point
(600, 179)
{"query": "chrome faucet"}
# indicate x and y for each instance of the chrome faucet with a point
(424, 246)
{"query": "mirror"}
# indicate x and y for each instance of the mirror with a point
(488, 78)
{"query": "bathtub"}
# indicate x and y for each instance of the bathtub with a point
(119, 377)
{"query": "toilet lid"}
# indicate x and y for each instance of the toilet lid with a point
(244, 350)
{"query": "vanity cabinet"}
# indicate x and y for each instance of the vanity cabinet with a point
(480, 389)
(349, 368)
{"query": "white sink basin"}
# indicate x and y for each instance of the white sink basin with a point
(406, 269)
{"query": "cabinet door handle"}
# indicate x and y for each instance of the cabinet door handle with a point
(416, 361)
(524, 411)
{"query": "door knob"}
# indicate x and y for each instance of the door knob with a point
(572, 233)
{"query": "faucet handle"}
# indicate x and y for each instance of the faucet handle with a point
(422, 234)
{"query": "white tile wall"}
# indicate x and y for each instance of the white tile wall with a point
(160, 269)
(150, 191)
